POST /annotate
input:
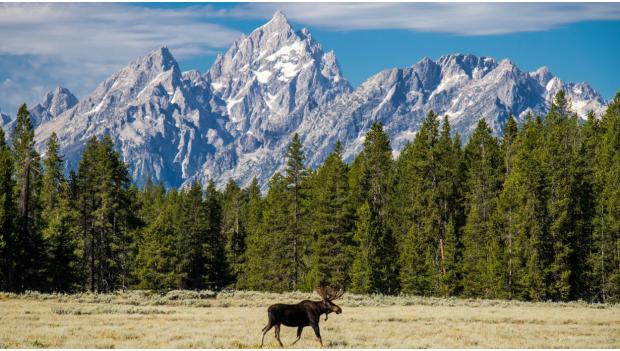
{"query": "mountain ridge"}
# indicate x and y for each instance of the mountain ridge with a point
(236, 119)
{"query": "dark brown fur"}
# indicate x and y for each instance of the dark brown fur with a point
(303, 314)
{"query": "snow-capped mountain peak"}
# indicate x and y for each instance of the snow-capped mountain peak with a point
(161, 128)
(236, 120)
(542, 75)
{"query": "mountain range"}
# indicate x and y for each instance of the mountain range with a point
(237, 119)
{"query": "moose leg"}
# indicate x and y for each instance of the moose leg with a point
(265, 330)
(299, 330)
(278, 335)
(317, 332)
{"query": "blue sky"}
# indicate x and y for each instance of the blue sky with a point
(79, 45)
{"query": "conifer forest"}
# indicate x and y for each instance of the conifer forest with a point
(532, 215)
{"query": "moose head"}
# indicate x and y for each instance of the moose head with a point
(328, 294)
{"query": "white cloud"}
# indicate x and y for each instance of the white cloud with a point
(78, 45)
(452, 18)
(106, 31)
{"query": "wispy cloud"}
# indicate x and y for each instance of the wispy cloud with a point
(80, 44)
(451, 18)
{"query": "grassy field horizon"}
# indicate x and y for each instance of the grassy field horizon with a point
(202, 319)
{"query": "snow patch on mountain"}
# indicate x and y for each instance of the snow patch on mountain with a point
(237, 119)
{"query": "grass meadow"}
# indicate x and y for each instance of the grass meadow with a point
(188, 319)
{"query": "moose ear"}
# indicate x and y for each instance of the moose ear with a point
(321, 292)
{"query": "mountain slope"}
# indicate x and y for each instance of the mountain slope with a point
(269, 82)
(54, 104)
(237, 119)
(150, 110)
(464, 87)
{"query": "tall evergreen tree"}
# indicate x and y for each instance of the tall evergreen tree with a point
(604, 260)
(194, 235)
(107, 216)
(482, 256)
(429, 172)
(296, 173)
(157, 262)
(253, 255)
(7, 216)
(503, 228)
(331, 223)
(234, 226)
(59, 218)
(269, 254)
(564, 238)
(217, 271)
(28, 249)
(521, 214)
(376, 174)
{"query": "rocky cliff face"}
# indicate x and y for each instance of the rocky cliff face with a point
(237, 119)
(269, 82)
(54, 104)
(151, 110)
(464, 87)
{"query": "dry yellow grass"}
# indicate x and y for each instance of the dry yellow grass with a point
(233, 320)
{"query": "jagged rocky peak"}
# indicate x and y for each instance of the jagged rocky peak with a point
(59, 100)
(158, 70)
(269, 80)
(237, 120)
(542, 75)
(54, 104)
(158, 118)
(277, 21)
(274, 51)
(470, 65)
(158, 58)
(265, 86)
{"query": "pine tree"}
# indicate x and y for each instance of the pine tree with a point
(296, 173)
(429, 175)
(157, 262)
(277, 251)
(521, 214)
(252, 255)
(7, 215)
(107, 216)
(604, 260)
(449, 168)
(361, 275)
(217, 272)
(564, 237)
(503, 228)
(375, 177)
(194, 235)
(482, 248)
(269, 254)
(28, 249)
(59, 218)
(234, 227)
(331, 223)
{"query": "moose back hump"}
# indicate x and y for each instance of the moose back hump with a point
(303, 314)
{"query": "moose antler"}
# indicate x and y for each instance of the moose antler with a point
(328, 293)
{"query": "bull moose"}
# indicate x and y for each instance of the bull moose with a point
(303, 314)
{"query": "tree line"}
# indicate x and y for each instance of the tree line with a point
(533, 215)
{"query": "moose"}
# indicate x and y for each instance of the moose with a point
(303, 314)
